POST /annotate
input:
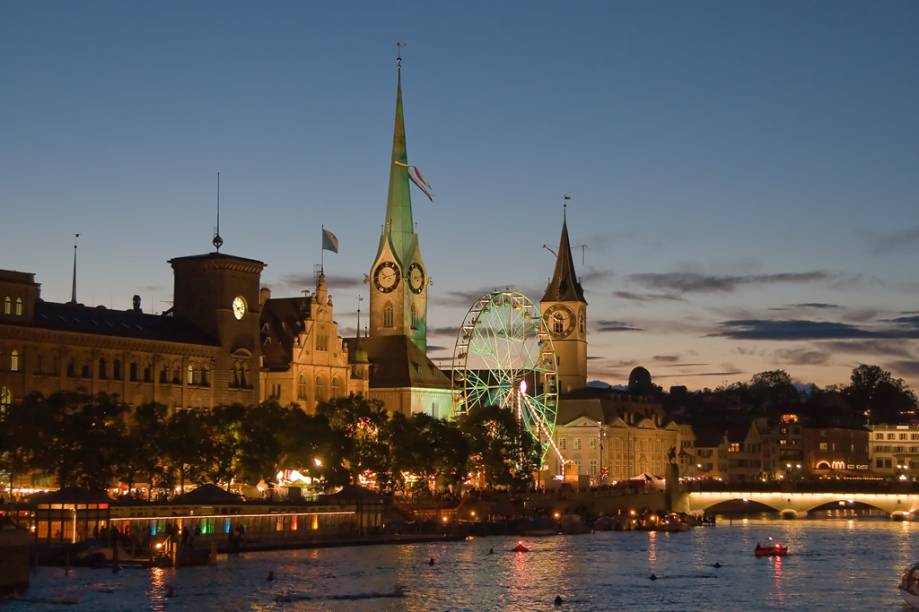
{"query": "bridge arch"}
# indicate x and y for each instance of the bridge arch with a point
(793, 504)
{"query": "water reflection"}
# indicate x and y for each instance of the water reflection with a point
(158, 586)
(777, 580)
(652, 551)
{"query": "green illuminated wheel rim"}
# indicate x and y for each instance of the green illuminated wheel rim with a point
(504, 357)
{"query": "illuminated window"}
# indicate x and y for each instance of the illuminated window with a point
(593, 443)
(189, 375)
(734, 447)
(577, 444)
(387, 315)
(275, 391)
(6, 397)
(593, 467)
(19, 307)
(301, 387)
(7, 305)
(14, 361)
(563, 444)
(823, 446)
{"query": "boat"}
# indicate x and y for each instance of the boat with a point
(909, 587)
(773, 550)
(520, 548)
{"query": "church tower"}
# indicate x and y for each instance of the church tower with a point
(564, 310)
(398, 278)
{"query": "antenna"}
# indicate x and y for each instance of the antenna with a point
(73, 287)
(218, 241)
(360, 298)
(548, 248)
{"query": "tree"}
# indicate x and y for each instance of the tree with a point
(139, 456)
(873, 391)
(187, 447)
(500, 447)
(260, 447)
(23, 427)
(310, 445)
(361, 422)
(773, 390)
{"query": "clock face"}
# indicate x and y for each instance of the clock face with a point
(386, 277)
(239, 307)
(560, 321)
(416, 278)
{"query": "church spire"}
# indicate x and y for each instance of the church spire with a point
(564, 286)
(399, 226)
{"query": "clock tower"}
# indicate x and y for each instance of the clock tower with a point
(564, 310)
(398, 277)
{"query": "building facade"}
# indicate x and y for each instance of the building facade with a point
(894, 450)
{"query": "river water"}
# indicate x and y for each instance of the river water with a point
(832, 565)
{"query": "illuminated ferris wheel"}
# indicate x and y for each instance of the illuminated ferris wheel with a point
(504, 357)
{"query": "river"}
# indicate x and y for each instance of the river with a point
(832, 565)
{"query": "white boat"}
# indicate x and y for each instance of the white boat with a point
(909, 587)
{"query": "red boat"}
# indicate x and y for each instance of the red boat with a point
(774, 550)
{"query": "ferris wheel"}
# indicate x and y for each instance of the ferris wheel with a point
(504, 357)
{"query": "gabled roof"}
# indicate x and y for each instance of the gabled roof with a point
(395, 362)
(564, 286)
(122, 323)
(281, 322)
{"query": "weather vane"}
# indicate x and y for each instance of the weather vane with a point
(399, 45)
(218, 241)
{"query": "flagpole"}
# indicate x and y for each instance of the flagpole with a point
(321, 252)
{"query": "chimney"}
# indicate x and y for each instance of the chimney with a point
(136, 301)
(264, 295)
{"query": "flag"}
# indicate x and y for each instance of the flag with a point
(329, 241)
(415, 174)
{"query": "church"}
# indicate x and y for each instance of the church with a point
(227, 340)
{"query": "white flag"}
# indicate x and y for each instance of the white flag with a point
(329, 241)
(415, 174)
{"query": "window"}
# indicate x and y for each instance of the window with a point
(577, 444)
(189, 375)
(301, 387)
(879, 436)
(593, 443)
(563, 444)
(914, 437)
(116, 369)
(132, 371)
(902, 436)
(891, 436)
(322, 389)
(202, 380)
(148, 374)
(434, 410)
(336, 387)
(7, 305)
(414, 318)
(14, 361)
(19, 307)
(823, 446)
(86, 371)
(102, 368)
(6, 397)
(593, 467)
(734, 447)
(275, 391)
(71, 369)
(322, 342)
(387, 315)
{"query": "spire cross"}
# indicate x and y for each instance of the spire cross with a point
(399, 45)
(565, 199)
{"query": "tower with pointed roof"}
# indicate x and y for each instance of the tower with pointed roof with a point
(398, 277)
(564, 310)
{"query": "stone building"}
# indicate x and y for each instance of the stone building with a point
(203, 351)
(894, 450)
(305, 360)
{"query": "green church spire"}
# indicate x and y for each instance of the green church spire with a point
(399, 227)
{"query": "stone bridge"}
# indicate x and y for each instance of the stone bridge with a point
(794, 504)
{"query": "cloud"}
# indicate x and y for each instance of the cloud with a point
(882, 243)
(149, 289)
(798, 329)
(693, 282)
(595, 276)
(443, 331)
(809, 306)
(302, 281)
(466, 298)
(433, 348)
(646, 297)
(615, 326)
(905, 368)
(892, 347)
(801, 356)
(666, 358)
(728, 372)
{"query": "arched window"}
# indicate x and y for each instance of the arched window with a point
(322, 389)
(203, 380)
(336, 387)
(6, 397)
(71, 369)
(132, 371)
(103, 370)
(14, 361)
(116, 369)
(558, 323)
(387, 315)
(414, 318)
(19, 307)
(7, 305)
(301, 387)
(190, 375)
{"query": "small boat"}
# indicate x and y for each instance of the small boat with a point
(773, 550)
(909, 587)
(520, 548)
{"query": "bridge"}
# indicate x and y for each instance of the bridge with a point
(791, 504)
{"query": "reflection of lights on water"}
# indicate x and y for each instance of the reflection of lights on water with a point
(777, 567)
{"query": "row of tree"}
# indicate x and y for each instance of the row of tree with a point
(97, 441)
(872, 396)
